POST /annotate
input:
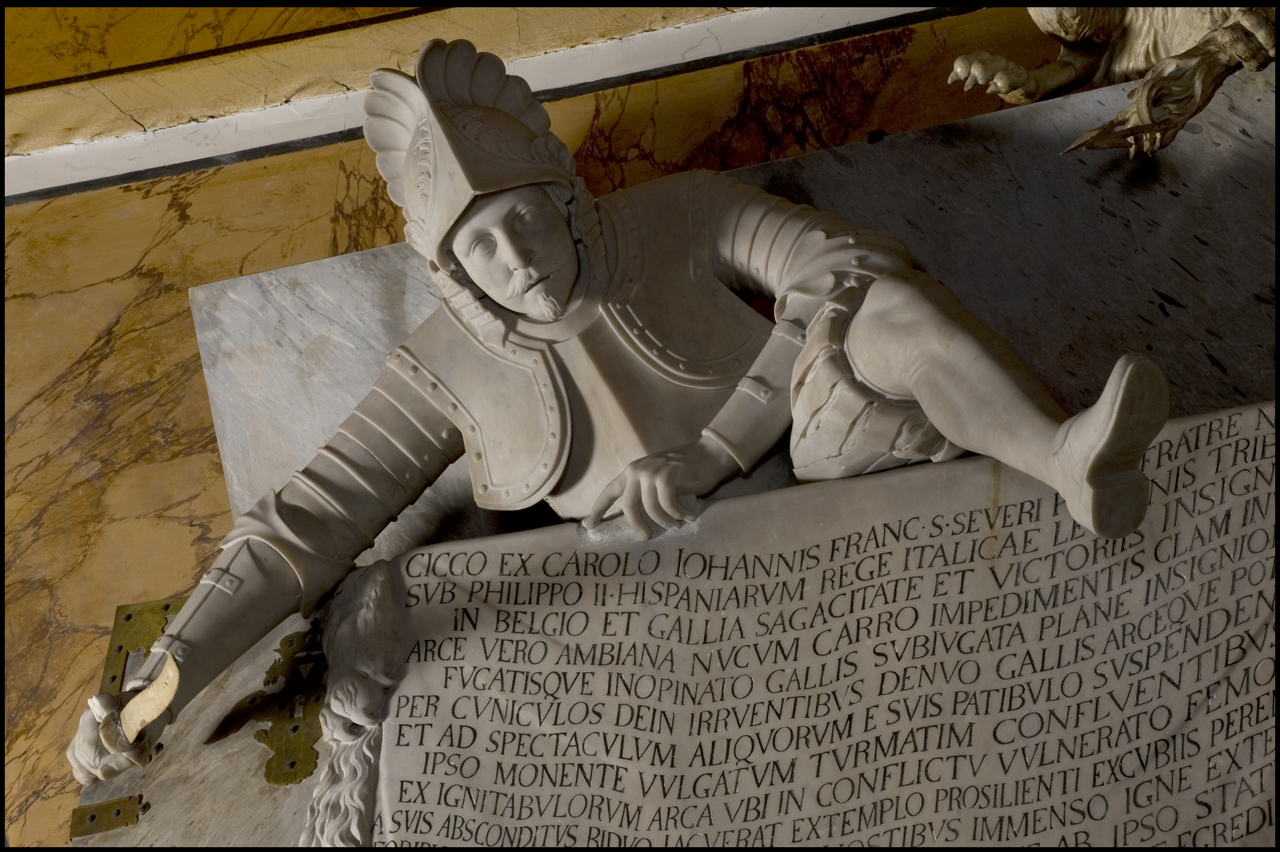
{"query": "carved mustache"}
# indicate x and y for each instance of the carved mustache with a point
(524, 280)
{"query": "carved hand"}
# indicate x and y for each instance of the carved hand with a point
(660, 481)
(90, 759)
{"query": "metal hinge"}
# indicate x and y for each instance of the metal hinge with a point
(136, 627)
(104, 816)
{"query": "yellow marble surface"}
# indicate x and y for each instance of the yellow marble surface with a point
(257, 77)
(113, 484)
(48, 43)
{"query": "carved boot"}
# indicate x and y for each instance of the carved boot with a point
(1097, 457)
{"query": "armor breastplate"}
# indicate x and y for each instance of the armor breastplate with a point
(673, 317)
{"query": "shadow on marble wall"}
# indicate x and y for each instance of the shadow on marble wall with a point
(1075, 259)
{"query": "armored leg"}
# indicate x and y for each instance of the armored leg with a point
(913, 339)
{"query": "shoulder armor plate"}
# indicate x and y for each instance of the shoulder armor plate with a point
(668, 306)
(508, 403)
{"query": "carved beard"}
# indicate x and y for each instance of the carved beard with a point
(523, 280)
(545, 308)
(549, 308)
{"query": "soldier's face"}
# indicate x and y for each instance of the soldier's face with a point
(517, 247)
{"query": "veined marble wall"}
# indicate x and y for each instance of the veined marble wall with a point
(113, 488)
(62, 42)
(791, 103)
(252, 69)
(113, 485)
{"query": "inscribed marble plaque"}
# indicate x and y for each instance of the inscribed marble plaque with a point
(926, 656)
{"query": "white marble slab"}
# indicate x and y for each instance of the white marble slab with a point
(289, 353)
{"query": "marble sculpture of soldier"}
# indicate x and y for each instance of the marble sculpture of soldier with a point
(590, 353)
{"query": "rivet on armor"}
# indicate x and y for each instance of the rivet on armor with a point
(413, 368)
(484, 489)
(476, 456)
(506, 493)
(433, 387)
(472, 428)
(553, 436)
(526, 486)
(453, 406)
(544, 465)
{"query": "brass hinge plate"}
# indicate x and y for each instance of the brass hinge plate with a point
(105, 816)
(136, 627)
(291, 712)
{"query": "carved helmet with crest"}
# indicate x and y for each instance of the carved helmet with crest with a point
(462, 129)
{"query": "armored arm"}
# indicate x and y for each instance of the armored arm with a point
(293, 546)
(394, 444)
(800, 257)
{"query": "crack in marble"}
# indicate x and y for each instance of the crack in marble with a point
(107, 98)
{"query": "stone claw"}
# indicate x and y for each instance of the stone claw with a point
(976, 68)
(1007, 79)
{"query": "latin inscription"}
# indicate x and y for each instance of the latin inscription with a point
(980, 670)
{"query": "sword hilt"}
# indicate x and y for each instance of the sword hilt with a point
(119, 726)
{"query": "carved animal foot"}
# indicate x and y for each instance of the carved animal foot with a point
(1174, 91)
(1179, 87)
(365, 650)
(1009, 80)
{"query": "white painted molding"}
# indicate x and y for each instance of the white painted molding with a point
(228, 136)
